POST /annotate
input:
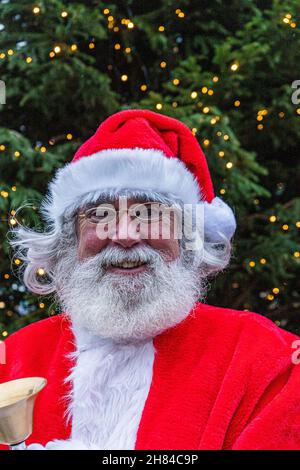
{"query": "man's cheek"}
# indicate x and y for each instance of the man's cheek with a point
(169, 249)
(90, 244)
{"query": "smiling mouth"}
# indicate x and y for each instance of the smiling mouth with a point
(128, 266)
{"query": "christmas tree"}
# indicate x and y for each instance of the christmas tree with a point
(224, 69)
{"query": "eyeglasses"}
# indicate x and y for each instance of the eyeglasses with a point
(146, 212)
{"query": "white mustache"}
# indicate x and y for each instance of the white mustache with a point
(113, 256)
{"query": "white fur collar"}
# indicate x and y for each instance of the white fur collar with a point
(110, 386)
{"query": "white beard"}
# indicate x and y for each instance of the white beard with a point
(126, 308)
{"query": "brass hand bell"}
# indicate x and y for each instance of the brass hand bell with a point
(17, 400)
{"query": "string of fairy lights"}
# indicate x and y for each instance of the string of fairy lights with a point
(203, 92)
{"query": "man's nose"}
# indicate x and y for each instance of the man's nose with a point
(127, 232)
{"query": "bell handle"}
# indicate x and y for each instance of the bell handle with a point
(20, 446)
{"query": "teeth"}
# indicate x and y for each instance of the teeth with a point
(128, 264)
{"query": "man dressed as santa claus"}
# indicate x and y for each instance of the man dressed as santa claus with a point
(136, 359)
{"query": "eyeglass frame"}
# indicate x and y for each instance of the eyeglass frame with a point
(134, 206)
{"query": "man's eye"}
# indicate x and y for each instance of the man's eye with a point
(146, 213)
(100, 215)
(93, 213)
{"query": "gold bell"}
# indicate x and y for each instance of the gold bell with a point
(17, 400)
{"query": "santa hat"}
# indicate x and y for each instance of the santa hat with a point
(141, 151)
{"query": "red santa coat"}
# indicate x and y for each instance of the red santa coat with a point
(222, 379)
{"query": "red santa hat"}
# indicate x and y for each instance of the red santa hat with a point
(141, 151)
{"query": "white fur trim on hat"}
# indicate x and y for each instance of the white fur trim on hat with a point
(119, 169)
